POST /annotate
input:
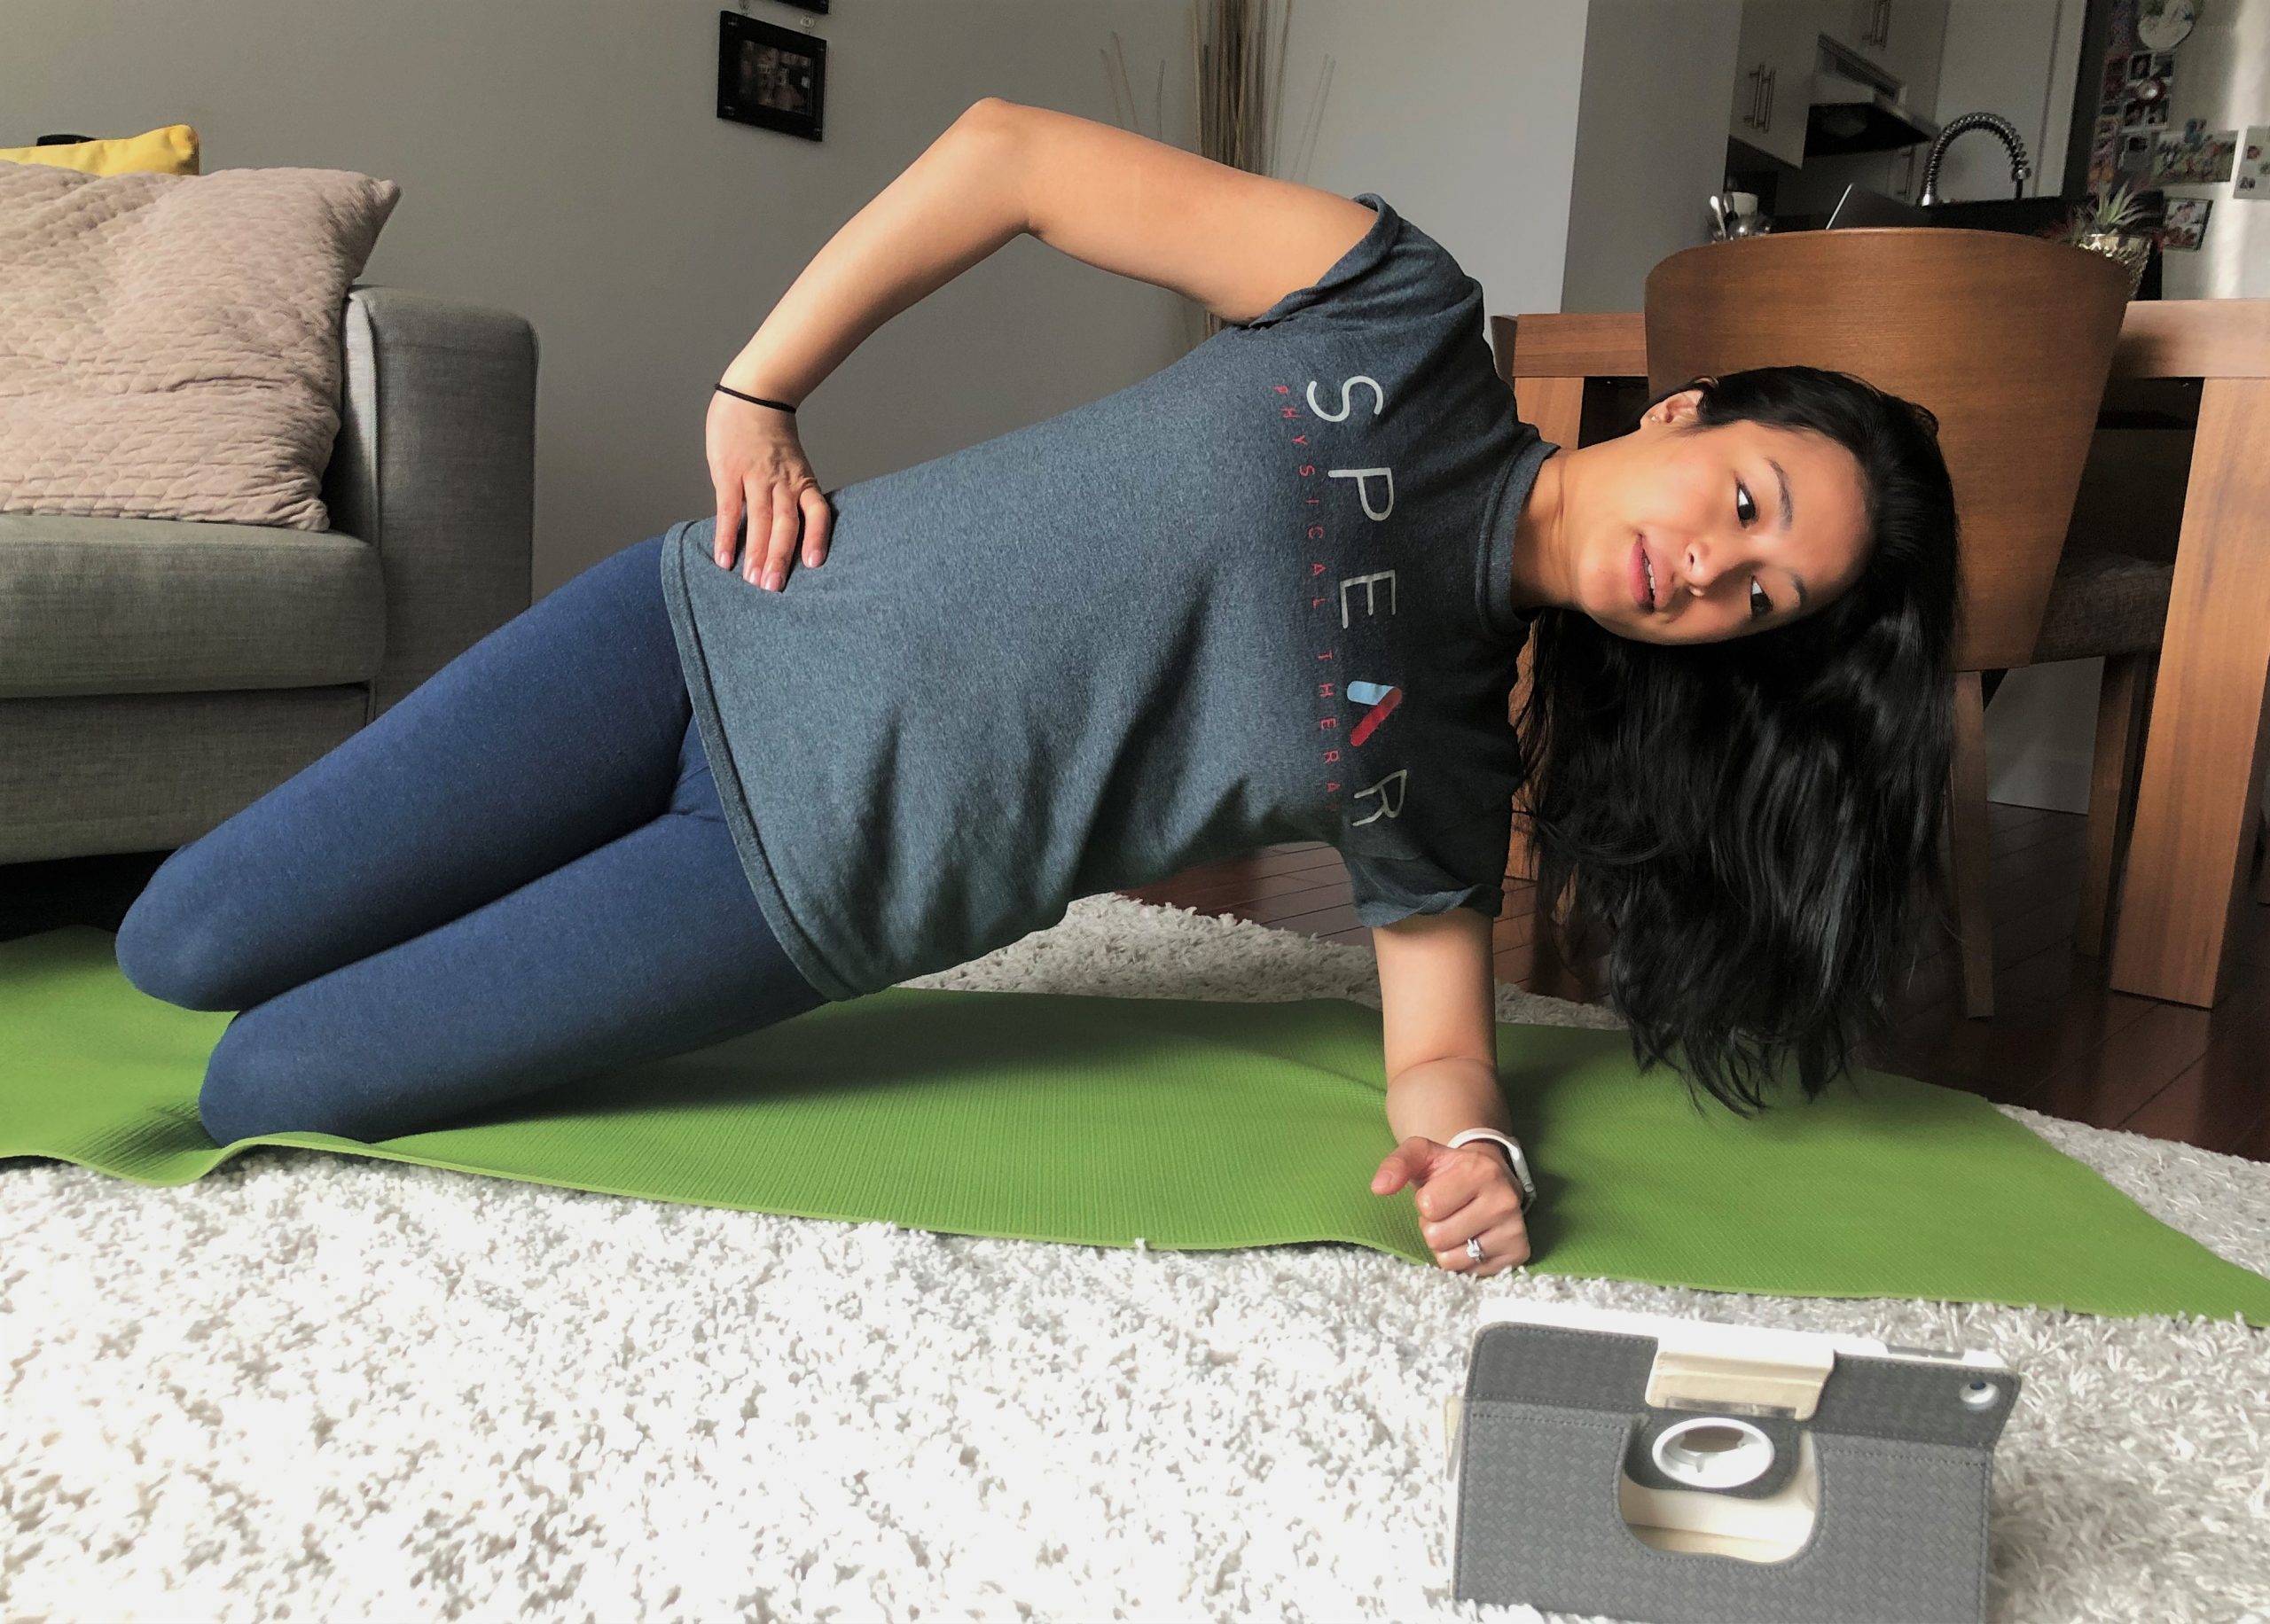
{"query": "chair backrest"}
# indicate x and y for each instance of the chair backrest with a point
(2008, 338)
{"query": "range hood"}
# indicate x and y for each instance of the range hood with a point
(1856, 108)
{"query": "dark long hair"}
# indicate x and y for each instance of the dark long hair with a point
(1752, 817)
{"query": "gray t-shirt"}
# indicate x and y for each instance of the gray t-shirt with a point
(1258, 596)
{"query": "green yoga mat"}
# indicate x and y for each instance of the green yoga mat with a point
(1191, 1124)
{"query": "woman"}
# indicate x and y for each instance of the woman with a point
(1274, 592)
(1754, 812)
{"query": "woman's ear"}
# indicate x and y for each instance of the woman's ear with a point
(1672, 408)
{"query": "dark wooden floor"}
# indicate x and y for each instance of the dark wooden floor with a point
(2058, 1042)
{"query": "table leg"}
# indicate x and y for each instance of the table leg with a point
(2200, 796)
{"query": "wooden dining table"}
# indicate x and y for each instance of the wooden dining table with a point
(2199, 800)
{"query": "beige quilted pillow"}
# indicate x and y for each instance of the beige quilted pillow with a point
(170, 343)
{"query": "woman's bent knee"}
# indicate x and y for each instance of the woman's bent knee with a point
(251, 1090)
(233, 1105)
(174, 954)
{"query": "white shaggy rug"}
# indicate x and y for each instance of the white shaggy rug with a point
(310, 1387)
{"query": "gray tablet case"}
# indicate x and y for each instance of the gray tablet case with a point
(1864, 1476)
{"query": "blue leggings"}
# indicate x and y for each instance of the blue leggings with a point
(518, 875)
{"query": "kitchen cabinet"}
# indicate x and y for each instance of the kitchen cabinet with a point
(1780, 47)
(1902, 37)
(1780, 41)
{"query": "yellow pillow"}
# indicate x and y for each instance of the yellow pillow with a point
(171, 150)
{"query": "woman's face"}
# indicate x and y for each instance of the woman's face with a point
(1743, 527)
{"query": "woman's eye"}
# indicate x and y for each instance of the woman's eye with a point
(1759, 604)
(1742, 495)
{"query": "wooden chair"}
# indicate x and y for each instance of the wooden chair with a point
(2114, 606)
(2261, 889)
(2008, 339)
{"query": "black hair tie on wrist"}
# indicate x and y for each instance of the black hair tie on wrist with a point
(757, 401)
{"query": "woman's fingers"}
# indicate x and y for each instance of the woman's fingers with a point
(1503, 1246)
(767, 563)
(787, 508)
(1493, 1212)
(759, 525)
(813, 501)
(729, 526)
(766, 494)
(753, 564)
(783, 545)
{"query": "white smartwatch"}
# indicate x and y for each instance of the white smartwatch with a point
(1513, 1149)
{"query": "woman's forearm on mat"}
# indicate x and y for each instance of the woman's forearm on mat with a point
(1437, 1099)
(950, 209)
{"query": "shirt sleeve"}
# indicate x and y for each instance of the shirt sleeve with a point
(1385, 889)
(1395, 272)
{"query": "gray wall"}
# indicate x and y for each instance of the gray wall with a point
(1460, 113)
(565, 161)
(1652, 71)
(2019, 58)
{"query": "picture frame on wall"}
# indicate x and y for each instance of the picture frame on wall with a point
(2185, 224)
(770, 76)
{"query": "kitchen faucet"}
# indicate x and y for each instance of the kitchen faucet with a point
(2019, 167)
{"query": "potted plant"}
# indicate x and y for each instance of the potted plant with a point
(2109, 225)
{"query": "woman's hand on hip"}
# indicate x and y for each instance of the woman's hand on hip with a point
(1462, 1193)
(759, 470)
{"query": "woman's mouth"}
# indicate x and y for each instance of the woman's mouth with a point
(1643, 577)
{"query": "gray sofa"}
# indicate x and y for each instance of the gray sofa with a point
(157, 676)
